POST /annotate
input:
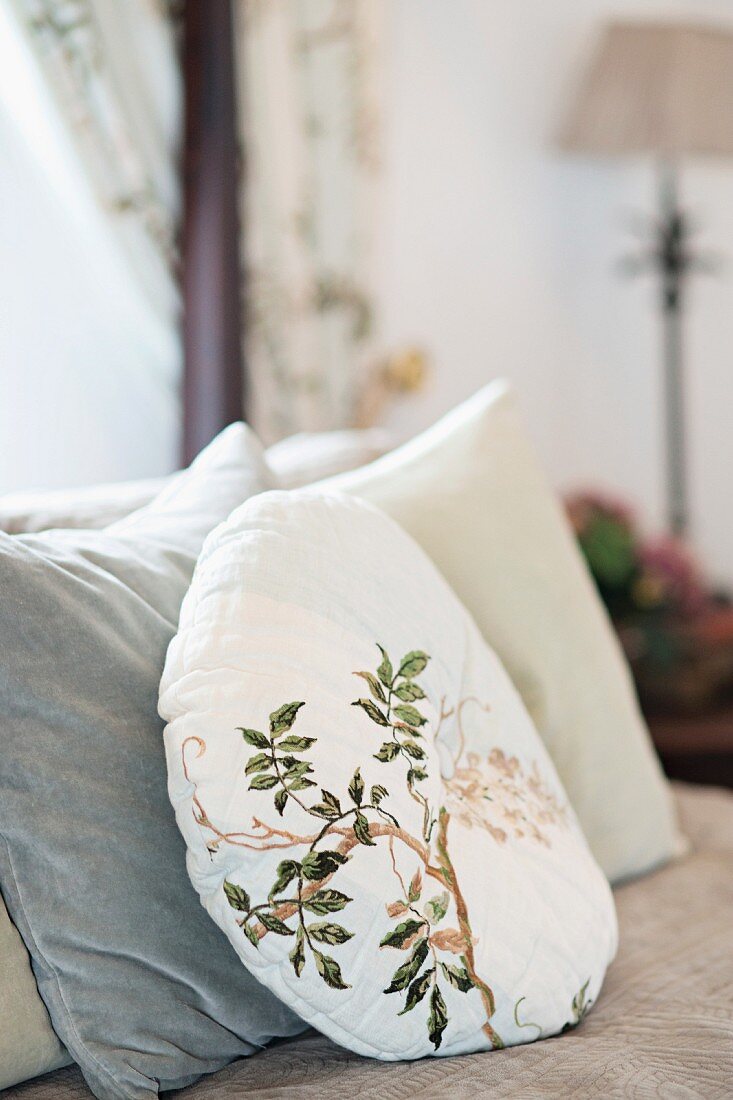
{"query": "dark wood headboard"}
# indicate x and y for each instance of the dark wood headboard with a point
(213, 382)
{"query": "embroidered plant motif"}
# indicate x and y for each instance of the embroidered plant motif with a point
(580, 1007)
(495, 794)
(277, 767)
(527, 1023)
(394, 709)
(430, 929)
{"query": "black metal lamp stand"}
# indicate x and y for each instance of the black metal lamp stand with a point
(671, 256)
(674, 260)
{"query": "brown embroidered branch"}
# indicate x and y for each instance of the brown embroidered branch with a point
(239, 839)
(485, 707)
(444, 873)
(344, 848)
(395, 868)
(451, 881)
(444, 714)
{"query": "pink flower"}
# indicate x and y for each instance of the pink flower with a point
(669, 566)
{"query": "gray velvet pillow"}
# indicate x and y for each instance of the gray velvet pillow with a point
(142, 987)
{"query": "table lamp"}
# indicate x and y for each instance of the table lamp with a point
(661, 90)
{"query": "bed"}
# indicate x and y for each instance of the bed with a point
(662, 1028)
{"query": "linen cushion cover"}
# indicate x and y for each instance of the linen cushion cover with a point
(470, 492)
(138, 982)
(369, 814)
(28, 1045)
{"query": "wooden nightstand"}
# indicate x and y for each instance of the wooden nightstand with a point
(697, 749)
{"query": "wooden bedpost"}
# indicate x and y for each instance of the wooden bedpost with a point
(213, 382)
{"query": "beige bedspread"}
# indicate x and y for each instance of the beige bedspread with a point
(663, 1026)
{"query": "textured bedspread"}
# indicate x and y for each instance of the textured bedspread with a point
(663, 1026)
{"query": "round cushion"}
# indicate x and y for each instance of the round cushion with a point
(369, 812)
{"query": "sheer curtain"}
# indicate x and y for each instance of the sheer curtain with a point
(311, 90)
(90, 108)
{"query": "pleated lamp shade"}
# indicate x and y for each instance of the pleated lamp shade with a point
(660, 88)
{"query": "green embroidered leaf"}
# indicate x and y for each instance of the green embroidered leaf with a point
(372, 710)
(579, 998)
(254, 737)
(413, 663)
(413, 749)
(297, 768)
(406, 973)
(580, 1006)
(274, 924)
(330, 971)
(385, 672)
(330, 807)
(458, 977)
(258, 763)
(286, 872)
(297, 955)
(326, 901)
(356, 788)
(361, 829)
(293, 743)
(317, 865)
(438, 1018)
(412, 730)
(377, 793)
(280, 799)
(402, 935)
(416, 773)
(283, 718)
(331, 800)
(301, 784)
(251, 935)
(237, 897)
(374, 685)
(417, 991)
(409, 692)
(263, 782)
(409, 714)
(388, 751)
(325, 932)
(323, 810)
(437, 907)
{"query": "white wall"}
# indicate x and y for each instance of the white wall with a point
(500, 254)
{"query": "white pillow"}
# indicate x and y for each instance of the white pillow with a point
(470, 492)
(379, 831)
(90, 507)
(311, 456)
(296, 461)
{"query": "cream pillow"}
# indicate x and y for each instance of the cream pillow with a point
(369, 813)
(470, 492)
(28, 1045)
